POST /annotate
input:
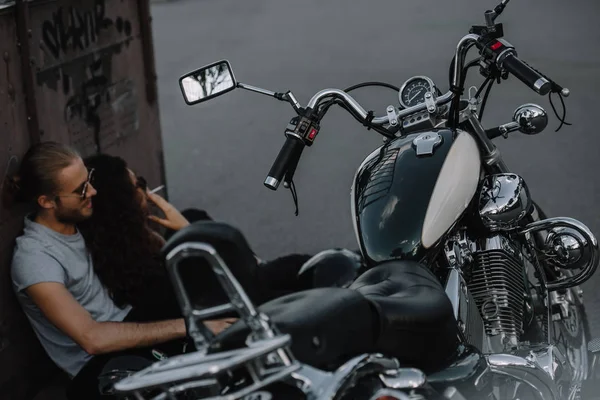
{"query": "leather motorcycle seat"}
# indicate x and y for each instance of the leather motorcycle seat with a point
(327, 325)
(417, 323)
(397, 308)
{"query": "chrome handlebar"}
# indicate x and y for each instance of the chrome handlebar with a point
(327, 94)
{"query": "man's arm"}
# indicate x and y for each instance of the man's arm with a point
(61, 309)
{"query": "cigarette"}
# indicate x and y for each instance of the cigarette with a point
(161, 187)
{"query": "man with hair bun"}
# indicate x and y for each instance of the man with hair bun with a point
(71, 312)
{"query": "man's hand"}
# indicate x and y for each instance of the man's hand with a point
(219, 325)
(173, 218)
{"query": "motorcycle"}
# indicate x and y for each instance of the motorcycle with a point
(470, 290)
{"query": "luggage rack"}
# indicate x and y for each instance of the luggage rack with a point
(266, 359)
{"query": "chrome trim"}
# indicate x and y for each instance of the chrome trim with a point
(293, 100)
(453, 290)
(430, 103)
(258, 323)
(391, 115)
(531, 118)
(339, 94)
(503, 54)
(489, 152)
(404, 378)
(440, 101)
(256, 89)
(311, 381)
(508, 128)
(504, 201)
(527, 372)
(589, 269)
(462, 48)
(294, 134)
(347, 372)
(327, 94)
(566, 248)
(271, 182)
(197, 366)
(266, 358)
(540, 83)
(409, 80)
(493, 158)
(552, 361)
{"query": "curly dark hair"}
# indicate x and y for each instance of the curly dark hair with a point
(125, 252)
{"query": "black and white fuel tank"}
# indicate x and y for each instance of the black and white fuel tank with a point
(409, 192)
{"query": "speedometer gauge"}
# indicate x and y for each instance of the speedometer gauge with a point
(413, 91)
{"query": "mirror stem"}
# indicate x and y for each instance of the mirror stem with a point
(287, 97)
(256, 89)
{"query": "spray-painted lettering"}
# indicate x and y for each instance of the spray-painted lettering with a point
(75, 29)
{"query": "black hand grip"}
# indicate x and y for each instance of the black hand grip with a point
(280, 166)
(526, 74)
(292, 165)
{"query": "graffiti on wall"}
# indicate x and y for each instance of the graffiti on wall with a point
(74, 29)
(99, 111)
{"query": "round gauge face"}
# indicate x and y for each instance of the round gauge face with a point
(413, 91)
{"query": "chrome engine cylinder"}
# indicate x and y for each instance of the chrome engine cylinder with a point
(498, 286)
(504, 201)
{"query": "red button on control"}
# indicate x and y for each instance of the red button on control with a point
(496, 46)
(312, 134)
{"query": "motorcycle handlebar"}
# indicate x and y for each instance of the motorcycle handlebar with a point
(292, 148)
(530, 77)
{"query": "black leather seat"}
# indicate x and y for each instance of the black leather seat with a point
(328, 325)
(397, 308)
(416, 319)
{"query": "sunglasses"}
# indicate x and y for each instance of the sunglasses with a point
(81, 191)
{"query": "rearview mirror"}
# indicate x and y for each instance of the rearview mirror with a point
(532, 119)
(207, 82)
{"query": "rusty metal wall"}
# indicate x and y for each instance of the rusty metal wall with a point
(19, 349)
(92, 85)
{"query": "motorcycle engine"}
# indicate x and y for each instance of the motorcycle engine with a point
(497, 284)
(494, 305)
(496, 272)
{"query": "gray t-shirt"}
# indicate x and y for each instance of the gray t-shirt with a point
(44, 255)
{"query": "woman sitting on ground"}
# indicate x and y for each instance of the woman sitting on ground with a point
(126, 250)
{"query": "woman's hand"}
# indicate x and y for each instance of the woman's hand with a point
(173, 218)
(219, 325)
